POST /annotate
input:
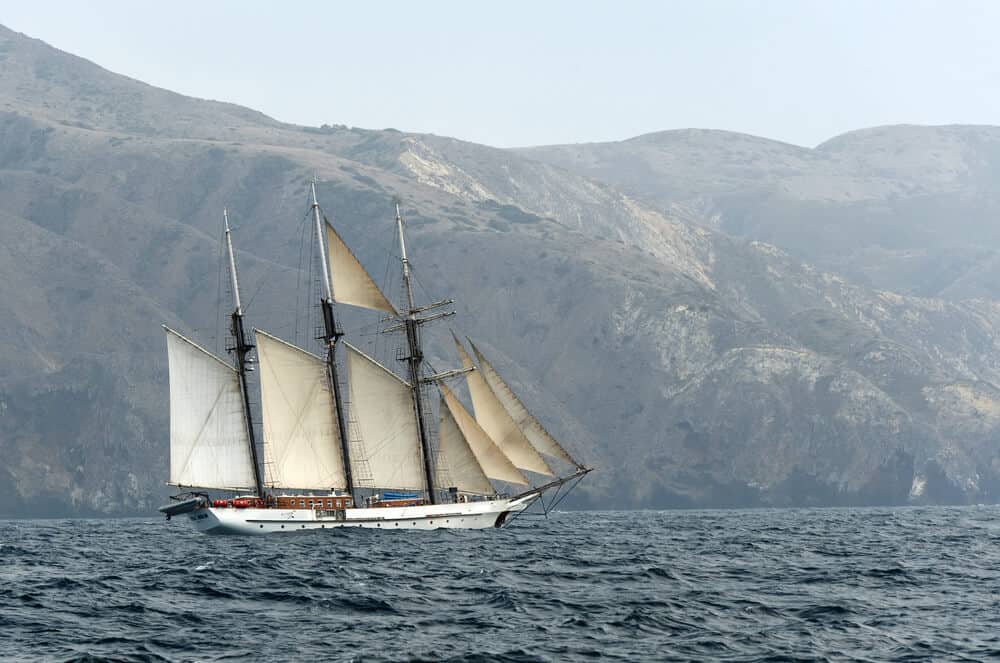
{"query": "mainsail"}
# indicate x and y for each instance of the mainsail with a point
(301, 438)
(490, 460)
(532, 428)
(382, 403)
(498, 424)
(350, 282)
(209, 444)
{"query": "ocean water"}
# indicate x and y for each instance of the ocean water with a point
(837, 584)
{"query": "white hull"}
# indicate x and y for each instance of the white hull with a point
(463, 515)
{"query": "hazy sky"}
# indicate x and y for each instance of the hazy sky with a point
(522, 73)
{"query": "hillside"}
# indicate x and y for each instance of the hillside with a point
(692, 364)
(903, 208)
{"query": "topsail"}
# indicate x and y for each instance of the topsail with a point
(350, 282)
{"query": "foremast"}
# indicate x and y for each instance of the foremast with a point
(331, 335)
(241, 349)
(414, 360)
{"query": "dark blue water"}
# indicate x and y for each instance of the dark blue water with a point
(873, 584)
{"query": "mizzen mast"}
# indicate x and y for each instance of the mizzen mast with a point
(241, 349)
(331, 335)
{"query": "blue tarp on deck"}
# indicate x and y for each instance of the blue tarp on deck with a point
(388, 495)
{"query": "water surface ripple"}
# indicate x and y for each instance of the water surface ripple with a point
(824, 584)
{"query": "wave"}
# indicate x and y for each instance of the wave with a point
(889, 584)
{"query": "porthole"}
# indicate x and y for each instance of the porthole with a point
(262, 527)
(397, 524)
(282, 527)
(303, 527)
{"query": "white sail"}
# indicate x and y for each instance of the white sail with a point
(301, 439)
(529, 425)
(209, 443)
(382, 404)
(349, 281)
(498, 424)
(489, 459)
(458, 459)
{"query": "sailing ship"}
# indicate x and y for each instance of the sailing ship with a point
(365, 458)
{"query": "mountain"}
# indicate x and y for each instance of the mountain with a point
(692, 363)
(909, 209)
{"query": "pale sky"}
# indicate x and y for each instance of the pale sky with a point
(514, 73)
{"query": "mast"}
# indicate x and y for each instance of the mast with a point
(414, 360)
(330, 337)
(241, 350)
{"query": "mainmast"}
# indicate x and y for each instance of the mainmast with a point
(411, 323)
(330, 337)
(241, 350)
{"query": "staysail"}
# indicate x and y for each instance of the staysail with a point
(382, 404)
(489, 459)
(301, 437)
(457, 458)
(498, 424)
(209, 444)
(350, 282)
(532, 428)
